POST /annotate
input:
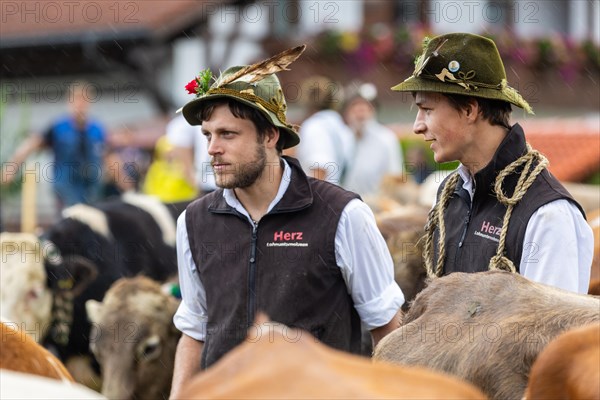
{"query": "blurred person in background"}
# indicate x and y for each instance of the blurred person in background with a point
(120, 176)
(191, 150)
(77, 142)
(166, 178)
(325, 150)
(417, 164)
(376, 150)
(501, 208)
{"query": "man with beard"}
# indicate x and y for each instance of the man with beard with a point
(270, 239)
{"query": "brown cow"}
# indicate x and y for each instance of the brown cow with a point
(19, 352)
(134, 339)
(594, 288)
(403, 229)
(277, 362)
(569, 367)
(487, 328)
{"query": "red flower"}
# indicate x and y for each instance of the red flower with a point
(191, 87)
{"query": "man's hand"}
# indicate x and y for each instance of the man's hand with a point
(379, 333)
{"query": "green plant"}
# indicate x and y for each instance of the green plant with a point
(13, 132)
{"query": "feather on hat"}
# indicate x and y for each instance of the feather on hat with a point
(255, 85)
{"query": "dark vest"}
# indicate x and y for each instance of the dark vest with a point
(284, 267)
(473, 230)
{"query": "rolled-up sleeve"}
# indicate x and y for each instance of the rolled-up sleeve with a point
(367, 266)
(558, 247)
(191, 317)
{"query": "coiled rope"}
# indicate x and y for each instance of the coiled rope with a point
(436, 215)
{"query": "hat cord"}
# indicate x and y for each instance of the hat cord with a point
(436, 215)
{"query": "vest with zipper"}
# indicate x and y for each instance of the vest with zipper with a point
(284, 266)
(473, 227)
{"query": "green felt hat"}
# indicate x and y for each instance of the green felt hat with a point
(265, 95)
(255, 85)
(465, 64)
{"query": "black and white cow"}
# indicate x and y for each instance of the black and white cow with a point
(128, 236)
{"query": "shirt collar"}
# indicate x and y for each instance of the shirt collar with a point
(232, 200)
(468, 182)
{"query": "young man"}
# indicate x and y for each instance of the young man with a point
(271, 239)
(502, 208)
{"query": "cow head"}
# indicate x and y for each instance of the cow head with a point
(68, 277)
(134, 339)
(25, 299)
(37, 282)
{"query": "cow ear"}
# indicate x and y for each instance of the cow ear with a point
(83, 272)
(93, 309)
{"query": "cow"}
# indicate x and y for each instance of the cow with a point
(134, 339)
(594, 288)
(278, 362)
(123, 237)
(403, 229)
(569, 367)
(95, 246)
(24, 294)
(37, 288)
(487, 328)
(22, 354)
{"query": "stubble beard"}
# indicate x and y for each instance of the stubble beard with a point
(244, 174)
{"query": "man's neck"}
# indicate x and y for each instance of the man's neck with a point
(257, 197)
(483, 151)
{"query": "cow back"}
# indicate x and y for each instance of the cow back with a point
(278, 362)
(486, 327)
(569, 368)
(21, 353)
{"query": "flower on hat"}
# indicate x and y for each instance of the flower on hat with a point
(201, 83)
(191, 86)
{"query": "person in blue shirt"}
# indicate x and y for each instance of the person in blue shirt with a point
(78, 144)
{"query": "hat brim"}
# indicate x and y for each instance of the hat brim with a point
(418, 84)
(191, 109)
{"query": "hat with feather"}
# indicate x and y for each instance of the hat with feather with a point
(462, 63)
(255, 85)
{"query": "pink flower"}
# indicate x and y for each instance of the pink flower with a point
(191, 87)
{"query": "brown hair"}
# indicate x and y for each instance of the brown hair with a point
(497, 112)
(243, 111)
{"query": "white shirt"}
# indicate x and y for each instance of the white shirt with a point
(181, 134)
(376, 154)
(360, 251)
(325, 143)
(558, 245)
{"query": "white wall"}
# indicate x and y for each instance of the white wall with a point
(189, 58)
(342, 15)
(541, 18)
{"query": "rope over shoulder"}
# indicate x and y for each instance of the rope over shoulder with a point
(533, 163)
